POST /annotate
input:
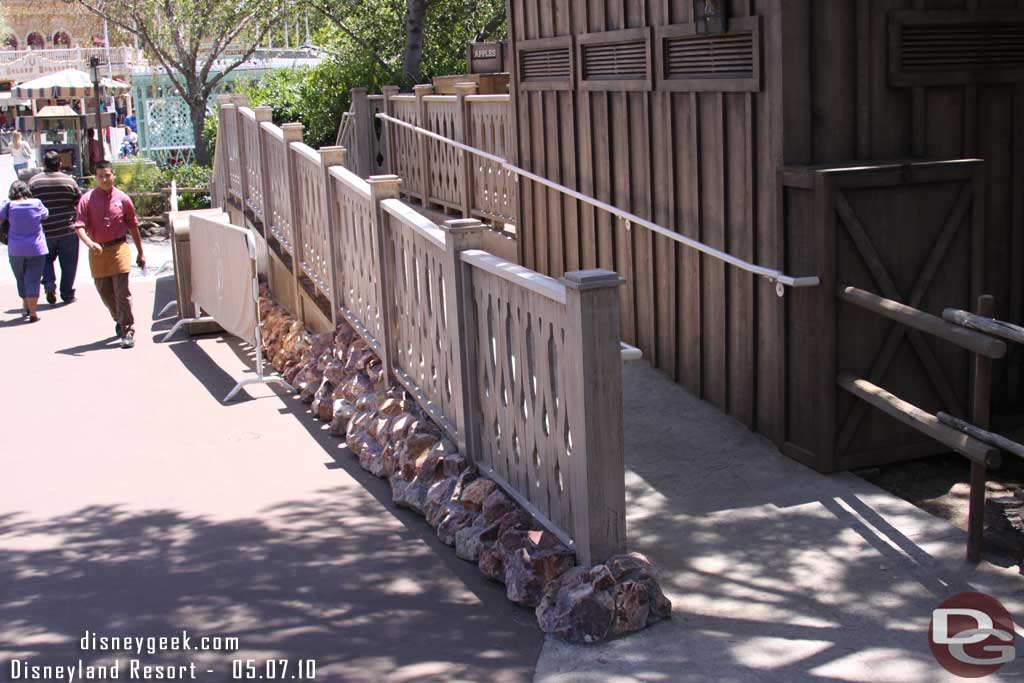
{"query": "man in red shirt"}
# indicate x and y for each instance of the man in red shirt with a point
(104, 218)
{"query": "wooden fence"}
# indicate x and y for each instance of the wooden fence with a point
(521, 370)
(434, 173)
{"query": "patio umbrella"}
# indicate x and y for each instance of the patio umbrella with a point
(65, 85)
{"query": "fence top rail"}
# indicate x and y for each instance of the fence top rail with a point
(419, 223)
(350, 180)
(404, 97)
(273, 130)
(488, 98)
(247, 113)
(997, 328)
(441, 98)
(306, 151)
(516, 274)
(374, 97)
(963, 337)
(780, 279)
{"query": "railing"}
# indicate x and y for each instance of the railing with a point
(122, 55)
(433, 172)
(958, 435)
(523, 372)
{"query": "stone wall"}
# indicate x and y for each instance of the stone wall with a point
(343, 380)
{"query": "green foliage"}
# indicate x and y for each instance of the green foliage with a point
(371, 57)
(210, 134)
(189, 176)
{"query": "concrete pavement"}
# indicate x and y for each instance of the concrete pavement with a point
(775, 573)
(135, 503)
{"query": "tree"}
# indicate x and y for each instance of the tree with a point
(425, 37)
(197, 42)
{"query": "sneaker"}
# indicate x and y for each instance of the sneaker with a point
(117, 330)
(128, 340)
(51, 297)
(33, 318)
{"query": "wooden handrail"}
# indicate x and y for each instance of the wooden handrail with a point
(918, 319)
(997, 328)
(924, 422)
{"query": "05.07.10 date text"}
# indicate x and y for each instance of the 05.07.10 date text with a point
(273, 669)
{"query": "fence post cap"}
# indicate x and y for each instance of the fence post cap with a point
(264, 113)
(594, 278)
(423, 89)
(384, 179)
(465, 88)
(223, 99)
(333, 155)
(292, 132)
(390, 90)
(459, 226)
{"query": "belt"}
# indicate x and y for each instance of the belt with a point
(112, 243)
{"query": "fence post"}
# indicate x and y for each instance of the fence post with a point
(332, 156)
(243, 170)
(292, 132)
(593, 395)
(219, 192)
(361, 134)
(981, 401)
(460, 235)
(263, 115)
(384, 187)
(465, 127)
(422, 91)
(389, 129)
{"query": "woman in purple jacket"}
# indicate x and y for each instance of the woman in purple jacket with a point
(26, 246)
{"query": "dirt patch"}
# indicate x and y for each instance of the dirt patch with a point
(940, 485)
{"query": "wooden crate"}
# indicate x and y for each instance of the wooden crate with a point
(486, 84)
(911, 232)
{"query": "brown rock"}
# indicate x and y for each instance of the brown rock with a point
(454, 465)
(529, 569)
(601, 577)
(414, 452)
(496, 505)
(395, 406)
(356, 387)
(439, 497)
(474, 494)
(399, 485)
(632, 607)
(578, 613)
(456, 520)
(630, 565)
(467, 542)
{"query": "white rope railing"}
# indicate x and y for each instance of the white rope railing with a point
(780, 279)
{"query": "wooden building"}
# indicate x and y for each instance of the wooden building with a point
(793, 134)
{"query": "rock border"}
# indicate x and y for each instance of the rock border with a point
(342, 379)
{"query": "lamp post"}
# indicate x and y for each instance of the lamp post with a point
(94, 66)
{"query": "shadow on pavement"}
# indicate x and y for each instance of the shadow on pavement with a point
(322, 578)
(100, 345)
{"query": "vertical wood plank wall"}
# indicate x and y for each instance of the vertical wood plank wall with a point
(703, 163)
(707, 165)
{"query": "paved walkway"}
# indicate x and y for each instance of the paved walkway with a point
(135, 503)
(776, 573)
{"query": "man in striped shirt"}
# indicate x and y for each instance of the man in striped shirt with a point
(59, 193)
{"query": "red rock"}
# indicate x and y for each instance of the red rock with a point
(529, 569)
(629, 565)
(474, 494)
(455, 521)
(632, 607)
(496, 505)
(414, 452)
(576, 612)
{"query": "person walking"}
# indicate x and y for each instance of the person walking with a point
(59, 193)
(21, 152)
(26, 246)
(103, 219)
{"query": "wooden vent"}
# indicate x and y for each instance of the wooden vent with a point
(946, 48)
(689, 60)
(545, 65)
(610, 62)
(726, 55)
(615, 60)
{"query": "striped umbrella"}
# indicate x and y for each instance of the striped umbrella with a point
(65, 85)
